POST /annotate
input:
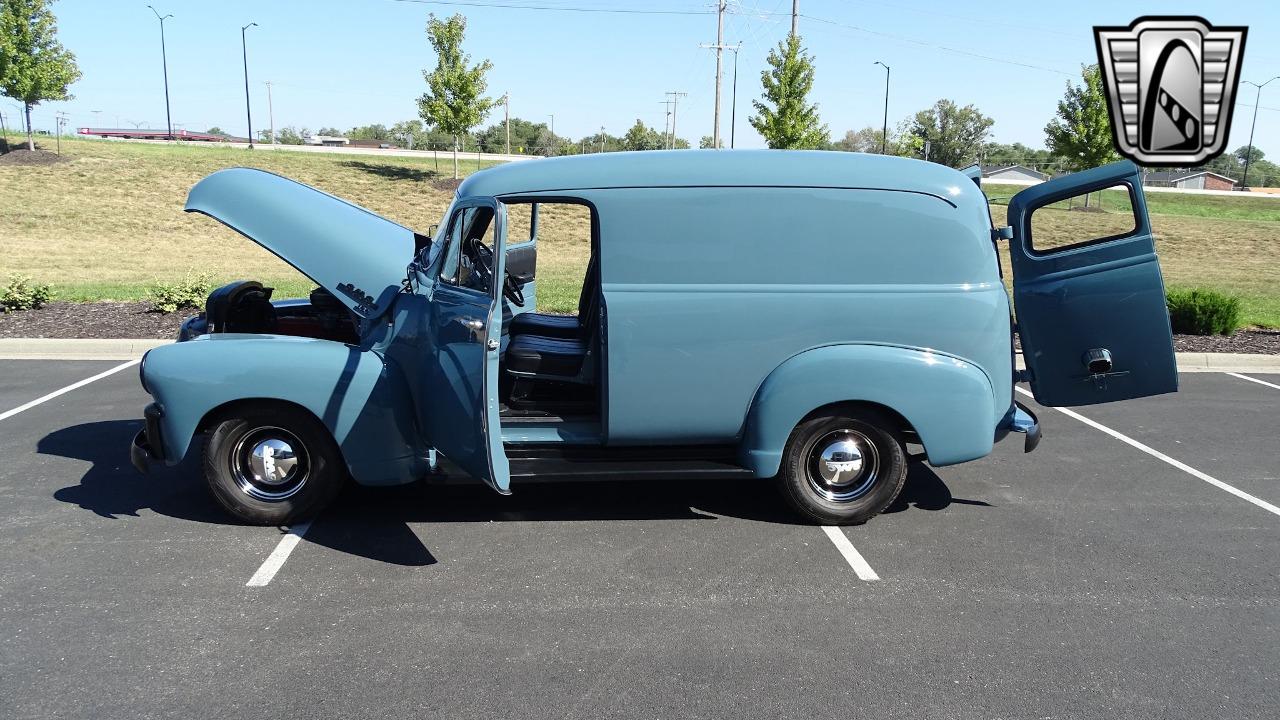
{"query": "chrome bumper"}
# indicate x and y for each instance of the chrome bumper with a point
(145, 448)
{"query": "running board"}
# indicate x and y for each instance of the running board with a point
(560, 463)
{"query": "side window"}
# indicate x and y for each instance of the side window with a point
(475, 264)
(521, 223)
(453, 244)
(1083, 220)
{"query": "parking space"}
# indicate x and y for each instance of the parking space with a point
(1088, 579)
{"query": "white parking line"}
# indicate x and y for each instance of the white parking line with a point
(276, 559)
(1256, 380)
(63, 391)
(850, 553)
(1161, 456)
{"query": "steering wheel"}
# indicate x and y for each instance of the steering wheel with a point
(482, 257)
(511, 290)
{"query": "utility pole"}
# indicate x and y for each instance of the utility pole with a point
(506, 111)
(884, 134)
(795, 16)
(666, 126)
(601, 138)
(164, 63)
(271, 113)
(1244, 182)
(733, 113)
(244, 47)
(4, 132)
(720, 6)
(59, 122)
(675, 106)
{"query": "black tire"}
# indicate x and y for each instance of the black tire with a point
(244, 464)
(823, 492)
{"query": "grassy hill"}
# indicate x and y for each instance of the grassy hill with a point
(108, 222)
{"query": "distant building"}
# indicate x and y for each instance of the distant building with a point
(330, 140)
(1013, 173)
(1189, 180)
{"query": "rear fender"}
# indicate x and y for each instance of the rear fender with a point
(947, 401)
(360, 397)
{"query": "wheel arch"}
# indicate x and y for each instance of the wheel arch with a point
(359, 397)
(946, 401)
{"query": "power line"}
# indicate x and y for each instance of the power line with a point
(510, 6)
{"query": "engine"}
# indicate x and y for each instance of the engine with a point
(245, 306)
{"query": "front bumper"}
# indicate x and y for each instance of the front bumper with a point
(146, 447)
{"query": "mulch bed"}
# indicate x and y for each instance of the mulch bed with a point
(31, 157)
(136, 320)
(92, 320)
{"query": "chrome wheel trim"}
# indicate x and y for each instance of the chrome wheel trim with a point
(842, 465)
(270, 464)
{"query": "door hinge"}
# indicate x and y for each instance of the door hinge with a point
(1002, 233)
(1020, 376)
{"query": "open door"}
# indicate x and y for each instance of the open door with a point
(466, 327)
(1087, 289)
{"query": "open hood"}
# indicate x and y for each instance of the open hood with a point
(358, 256)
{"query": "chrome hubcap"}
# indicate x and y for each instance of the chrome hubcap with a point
(843, 465)
(270, 464)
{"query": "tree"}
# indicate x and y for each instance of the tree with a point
(377, 132)
(34, 67)
(783, 114)
(866, 140)
(1242, 154)
(643, 137)
(955, 134)
(215, 130)
(454, 102)
(335, 132)
(708, 142)
(1081, 133)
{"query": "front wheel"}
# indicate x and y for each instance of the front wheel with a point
(842, 468)
(272, 464)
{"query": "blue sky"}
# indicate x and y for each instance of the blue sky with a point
(350, 63)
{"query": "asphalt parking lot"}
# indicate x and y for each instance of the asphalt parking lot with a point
(1090, 579)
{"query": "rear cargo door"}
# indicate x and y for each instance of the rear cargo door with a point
(1087, 289)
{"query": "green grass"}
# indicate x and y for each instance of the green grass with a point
(1225, 243)
(1241, 206)
(108, 223)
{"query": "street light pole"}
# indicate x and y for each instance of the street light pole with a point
(1244, 182)
(164, 63)
(244, 47)
(884, 134)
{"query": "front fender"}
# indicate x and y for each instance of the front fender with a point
(948, 401)
(358, 395)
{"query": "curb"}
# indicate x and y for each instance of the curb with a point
(96, 349)
(77, 349)
(1192, 362)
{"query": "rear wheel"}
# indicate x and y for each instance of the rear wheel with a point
(272, 464)
(842, 468)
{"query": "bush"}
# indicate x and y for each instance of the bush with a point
(22, 294)
(188, 293)
(1203, 312)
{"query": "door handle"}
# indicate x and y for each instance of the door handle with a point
(475, 327)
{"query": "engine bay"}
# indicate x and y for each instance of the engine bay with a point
(245, 306)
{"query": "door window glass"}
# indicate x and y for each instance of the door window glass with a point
(1084, 219)
(453, 244)
(475, 263)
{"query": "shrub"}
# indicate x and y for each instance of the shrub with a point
(188, 293)
(22, 294)
(1203, 312)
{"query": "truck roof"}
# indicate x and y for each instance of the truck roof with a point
(723, 168)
